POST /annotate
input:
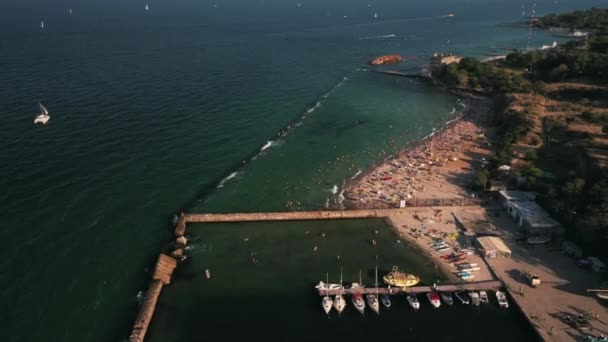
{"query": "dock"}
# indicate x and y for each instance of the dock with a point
(473, 286)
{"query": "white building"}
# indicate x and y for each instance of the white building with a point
(528, 214)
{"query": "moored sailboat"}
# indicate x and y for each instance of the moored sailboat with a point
(447, 297)
(372, 299)
(327, 302)
(339, 302)
(413, 301)
(475, 298)
(483, 297)
(433, 298)
(357, 298)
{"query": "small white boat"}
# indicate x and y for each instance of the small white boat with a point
(502, 299)
(447, 297)
(327, 304)
(147, 8)
(462, 296)
(324, 286)
(483, 297)
(43, 117)
(41, 24)
(339, 303)
(475, 298)
(372, 302)
(434, 299)
(207, 274)
(386, 300)
(413, 301)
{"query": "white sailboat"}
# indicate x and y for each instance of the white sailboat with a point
(375, 15)
(43, 117)
(372, 299)
(339, 302)
(41, 23)
(147, 8)
(70, 11)
(327, 301)
(357, 299)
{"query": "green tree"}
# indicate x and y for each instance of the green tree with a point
(481, 179)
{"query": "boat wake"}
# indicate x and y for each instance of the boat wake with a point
(356, 174)
(227, 178)
(379, 37)
(274, 142)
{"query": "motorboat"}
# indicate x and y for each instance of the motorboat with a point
(475, 298)
(483, 297)
(373, 303)
(433, 298)
(43, 117)
(462, 296)
(327, 302)
(502, 299)
(447, 297)
(413, 301)
(396, 278)
(386, 300)
(207, 274)
(339, 302)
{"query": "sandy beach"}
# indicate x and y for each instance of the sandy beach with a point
(441, 166)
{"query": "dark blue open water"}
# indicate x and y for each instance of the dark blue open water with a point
(150, 110)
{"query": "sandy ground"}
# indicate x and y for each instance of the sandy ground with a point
(439, 167)
(419, 225)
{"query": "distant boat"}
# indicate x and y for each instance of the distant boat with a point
(41, 24)
(413, 301)
(147, 8)
(502, 299)
(447, 297)
(339, 302)
(207, 274)
(375, 15)
(70, 11)
(433, 298)
(327, 301)
(43, 117)
(325, 286)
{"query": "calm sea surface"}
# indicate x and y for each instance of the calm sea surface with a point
(152, 109)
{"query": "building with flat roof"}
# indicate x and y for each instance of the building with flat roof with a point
(528, 214)
(493, 247)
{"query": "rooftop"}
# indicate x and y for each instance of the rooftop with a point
(493, 243)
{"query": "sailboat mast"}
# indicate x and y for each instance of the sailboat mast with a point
(376, 281)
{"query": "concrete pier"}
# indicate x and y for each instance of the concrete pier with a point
(473, 286)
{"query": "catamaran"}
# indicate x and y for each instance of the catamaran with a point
(339, 302)
(43, 117)
(327, 301)
(372, 299)
(357, 299)
(396, 278)
(413, 301)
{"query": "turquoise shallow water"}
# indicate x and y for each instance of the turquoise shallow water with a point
(151, 110)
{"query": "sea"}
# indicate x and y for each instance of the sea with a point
(222, 106)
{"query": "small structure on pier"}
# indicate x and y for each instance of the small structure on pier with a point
(493, 247)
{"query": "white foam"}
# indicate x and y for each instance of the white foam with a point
(227, 178)
(267, 145)
(356, 174)
(334, 190)
(379, 37)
